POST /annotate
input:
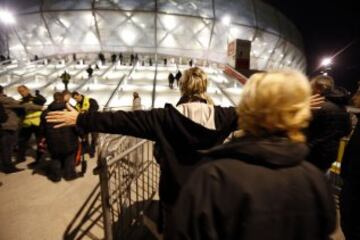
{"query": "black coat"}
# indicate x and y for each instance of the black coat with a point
(329, 125)
(350, 166)
(177, 138)
(3, 115)
(60, 141)
(255, 189)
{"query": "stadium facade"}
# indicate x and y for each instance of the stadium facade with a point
(199, 29)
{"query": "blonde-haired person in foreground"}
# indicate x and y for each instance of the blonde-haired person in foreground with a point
(258, 186)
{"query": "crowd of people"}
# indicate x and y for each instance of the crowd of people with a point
(24, 118)
(253, 171)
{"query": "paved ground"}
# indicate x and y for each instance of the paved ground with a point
(33, 207)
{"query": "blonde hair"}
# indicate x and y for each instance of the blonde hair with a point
(275, 102)
(194, 82)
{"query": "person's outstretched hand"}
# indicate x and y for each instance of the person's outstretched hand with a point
(315, 101)
(63, 118)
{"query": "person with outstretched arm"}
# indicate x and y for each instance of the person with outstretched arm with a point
(179, 132)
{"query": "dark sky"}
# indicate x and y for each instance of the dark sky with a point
(327, 26)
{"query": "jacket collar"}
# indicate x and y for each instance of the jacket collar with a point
(271, 151)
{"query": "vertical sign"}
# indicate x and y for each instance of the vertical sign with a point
(239, 54)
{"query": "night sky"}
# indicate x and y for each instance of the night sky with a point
(327, 27)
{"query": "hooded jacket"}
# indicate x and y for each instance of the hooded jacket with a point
(12, 108)
(60, 141)
(177, 137)
(254, 189)
(329, 124)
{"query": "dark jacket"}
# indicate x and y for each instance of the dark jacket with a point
(329, 125)
(350, 166)
(3, 115)
(177, 138)
(60, 141)
(38, 99)
(14, 109)
(255, 189)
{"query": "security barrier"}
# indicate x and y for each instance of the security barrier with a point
(129, 178)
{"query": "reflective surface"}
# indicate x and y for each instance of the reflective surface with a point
(198, 29)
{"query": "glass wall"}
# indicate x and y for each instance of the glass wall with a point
(196, 29)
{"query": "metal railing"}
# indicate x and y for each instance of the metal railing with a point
(129, 178)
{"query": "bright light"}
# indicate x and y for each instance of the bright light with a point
(90, 38)
(226, 20)
(7, 17)
(326, 62)
(169, 22)
(128, 36)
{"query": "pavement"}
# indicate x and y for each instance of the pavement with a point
(33, 207)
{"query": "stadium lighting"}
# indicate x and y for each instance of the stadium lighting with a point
(226, 20)
(7, 17)
(326, 62)
(128, 36)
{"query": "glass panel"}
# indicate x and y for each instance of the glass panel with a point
(67, 5)
(27, 6)
(201, 8)
(34, 35)
(73, 31)
(239, 11)
(183, 34)
(266, 17)
(125, 4)
(126, 29)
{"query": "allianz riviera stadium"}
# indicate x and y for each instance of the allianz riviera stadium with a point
(47, 34)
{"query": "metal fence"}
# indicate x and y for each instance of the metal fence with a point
(129, 178)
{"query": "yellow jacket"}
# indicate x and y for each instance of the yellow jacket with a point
(84, 106)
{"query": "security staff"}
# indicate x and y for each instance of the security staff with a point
(30, 124)
(86, 104)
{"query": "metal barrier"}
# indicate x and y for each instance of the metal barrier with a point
(129, 178)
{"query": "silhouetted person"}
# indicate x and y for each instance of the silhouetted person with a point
(65, 77)
(74, 57)
(102, 58)
(177, 77)
(121, 58)
(62, 143)
(132, 57)
(165, 62)
(90, 71)
(36, 58)
(329, 123)
(190, 62)
(150, 62)
(171, 80)
(350, 173)
(136, 58)
(113, 58)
